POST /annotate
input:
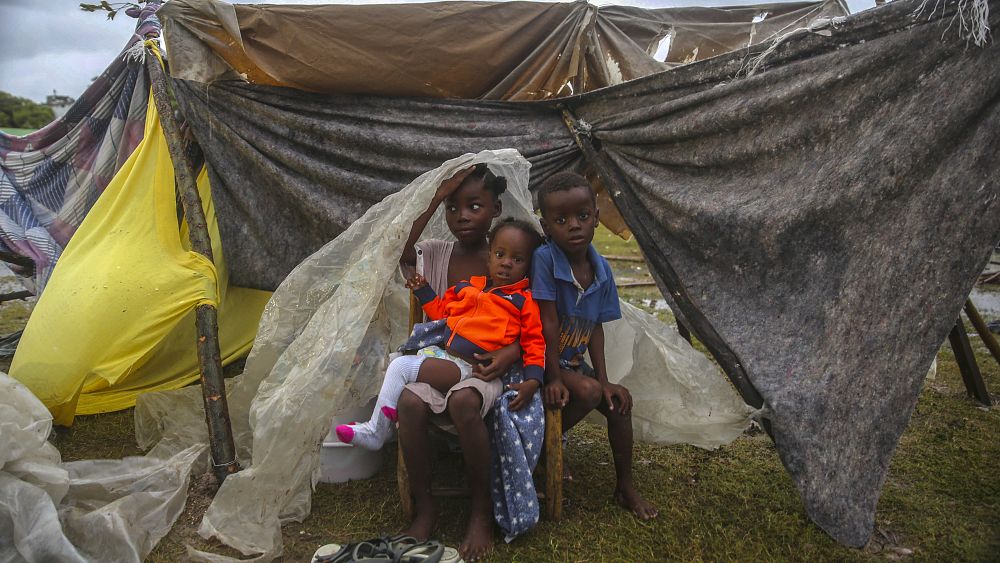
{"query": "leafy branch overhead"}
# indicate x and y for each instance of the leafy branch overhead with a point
(105, 6)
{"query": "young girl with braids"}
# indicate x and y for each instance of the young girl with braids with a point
(455, 386)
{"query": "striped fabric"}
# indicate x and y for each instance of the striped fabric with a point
(52, 177)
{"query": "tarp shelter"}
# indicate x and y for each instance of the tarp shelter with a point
(780, 194)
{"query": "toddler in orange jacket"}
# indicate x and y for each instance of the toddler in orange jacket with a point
(482, 315)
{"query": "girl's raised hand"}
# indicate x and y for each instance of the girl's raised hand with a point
(416, 282)
(451, 184)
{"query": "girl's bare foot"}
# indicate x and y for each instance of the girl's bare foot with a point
(630, 499)
(422, 525)
(478, 537)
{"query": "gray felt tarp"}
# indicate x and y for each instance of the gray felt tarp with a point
(826, 216)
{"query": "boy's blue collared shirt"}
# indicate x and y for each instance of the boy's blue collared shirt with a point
(552, 280)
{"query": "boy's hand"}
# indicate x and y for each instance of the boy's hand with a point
(617, 394)
(416, 282)
(525, 391)
(492, 365)
(556, 395)
(451, 184)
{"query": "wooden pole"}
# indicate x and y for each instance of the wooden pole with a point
(984, 331)
(15, 295)
(220, 433)
(17, 260)
(967, 365)
(697, 322)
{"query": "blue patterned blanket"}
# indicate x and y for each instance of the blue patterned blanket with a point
(516, 439)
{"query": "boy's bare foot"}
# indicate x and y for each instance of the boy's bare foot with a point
(422, 525)
(478, 537)
(630, 499)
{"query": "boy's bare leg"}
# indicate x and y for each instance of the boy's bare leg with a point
(414, 417)
(464, 407)
(584, 396)
(620, 438)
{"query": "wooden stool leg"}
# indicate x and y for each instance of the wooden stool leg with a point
(403, 481)
(553, 464)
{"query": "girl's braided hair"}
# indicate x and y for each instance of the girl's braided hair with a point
(495, 184)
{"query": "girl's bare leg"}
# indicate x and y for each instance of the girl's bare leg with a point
(465, 407)
(414, 417)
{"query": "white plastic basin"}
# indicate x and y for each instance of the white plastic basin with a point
(340, 462)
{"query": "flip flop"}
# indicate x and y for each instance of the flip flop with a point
(398, 549)
(331, 553)
(372, 551)
(407, 549)
(425, 552)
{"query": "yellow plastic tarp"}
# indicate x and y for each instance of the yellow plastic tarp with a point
(117, 317)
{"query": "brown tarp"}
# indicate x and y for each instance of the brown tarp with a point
(826, 217)
(486, 50)
(491, 50)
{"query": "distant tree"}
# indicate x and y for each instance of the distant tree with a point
(22, 113)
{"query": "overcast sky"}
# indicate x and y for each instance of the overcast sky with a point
(48, 45)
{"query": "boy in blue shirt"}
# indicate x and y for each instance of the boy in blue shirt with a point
(576, 293)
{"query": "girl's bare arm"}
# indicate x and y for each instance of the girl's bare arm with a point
(409, 257)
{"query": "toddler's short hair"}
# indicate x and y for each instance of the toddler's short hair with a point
(520, 224)
(560, 182)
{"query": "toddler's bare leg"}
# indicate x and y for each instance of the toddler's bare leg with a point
(414, 417)
(439, 374)
(465, 407)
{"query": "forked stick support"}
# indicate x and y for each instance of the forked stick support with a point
(213, 387)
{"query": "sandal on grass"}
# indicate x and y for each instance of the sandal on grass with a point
(331, 553)
(397, 549)
(373, 551)
(407, 549)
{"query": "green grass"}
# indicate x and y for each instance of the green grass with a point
(18, 132)
(941, 500)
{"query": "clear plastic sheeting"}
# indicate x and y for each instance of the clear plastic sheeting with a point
(679, 396)
(322, 347)
(95, 510)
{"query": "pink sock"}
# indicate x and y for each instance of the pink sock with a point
(390, 413)
(345, 433)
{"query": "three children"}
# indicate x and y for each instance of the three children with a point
(487, 320)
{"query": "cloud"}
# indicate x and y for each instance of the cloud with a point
(55, 45)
